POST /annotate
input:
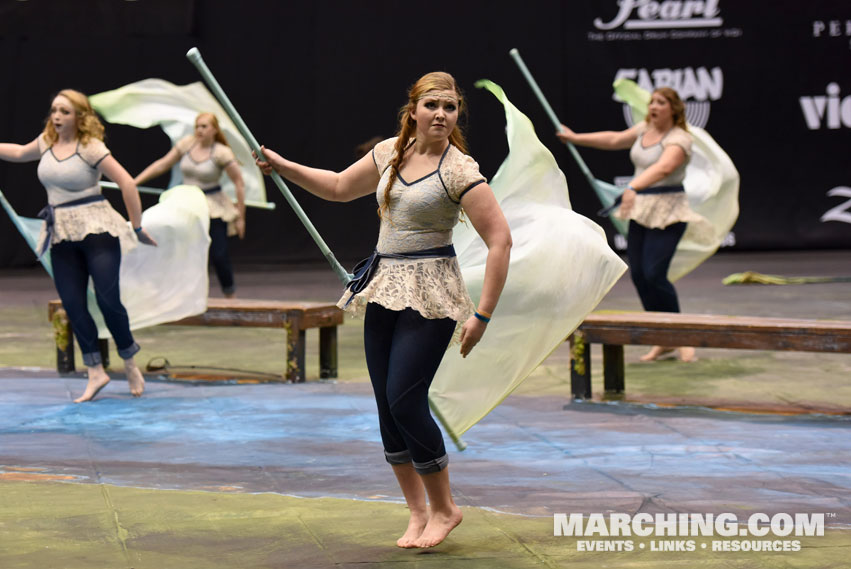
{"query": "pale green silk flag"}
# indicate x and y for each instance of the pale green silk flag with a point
(561, 267)
(711, 185)
(174, 108)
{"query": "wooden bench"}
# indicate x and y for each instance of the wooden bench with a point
(617, 329)
(295, 317)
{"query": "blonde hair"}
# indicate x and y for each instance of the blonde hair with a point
(434, 81)
(88, 123)
(220, 137)
(678, 108)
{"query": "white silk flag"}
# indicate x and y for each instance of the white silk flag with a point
(174, 108)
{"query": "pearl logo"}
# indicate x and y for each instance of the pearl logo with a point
(648, 14)
(697, 87)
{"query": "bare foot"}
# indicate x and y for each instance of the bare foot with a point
(438, 527)
(687, 355)
(135, 379)
(416, 525)
(230, 295)
(655, 353)
(98, 378)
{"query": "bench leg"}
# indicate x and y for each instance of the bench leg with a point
(295, 355)
(64, 342)
(580, 366)
(613, 369)
(328, 352)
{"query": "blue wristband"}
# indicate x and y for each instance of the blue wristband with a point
(138, 229)
(484, 319)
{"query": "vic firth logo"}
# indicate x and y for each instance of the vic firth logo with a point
(665, 14)
(836, 111)
(696, 87)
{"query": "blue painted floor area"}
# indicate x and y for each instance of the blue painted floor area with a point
(530, 456)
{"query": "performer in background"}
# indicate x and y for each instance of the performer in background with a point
(410, 291)
(203, 158)
(84, 234)
(654, 202)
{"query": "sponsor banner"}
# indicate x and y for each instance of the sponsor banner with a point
(776, 97)
(688, 532)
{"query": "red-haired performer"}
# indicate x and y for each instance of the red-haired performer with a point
(411, 291)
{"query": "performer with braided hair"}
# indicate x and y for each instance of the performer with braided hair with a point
(410, 290)
(85, 235)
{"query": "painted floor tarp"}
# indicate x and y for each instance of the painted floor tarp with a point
(280, 475)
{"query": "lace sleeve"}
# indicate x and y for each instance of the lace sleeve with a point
(223, 155)
(93, 152)
(680, 138)
(382, 153)
(459, 173)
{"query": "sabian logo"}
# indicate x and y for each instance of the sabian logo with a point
(831, 111)
(696, 87)
(666, 14)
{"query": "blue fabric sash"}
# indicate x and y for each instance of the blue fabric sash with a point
(655, 190)
(365, 269)
(47, 214)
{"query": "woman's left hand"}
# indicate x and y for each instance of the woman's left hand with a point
(239, 223)
(471, 333)
(627, 201)
(145, 238)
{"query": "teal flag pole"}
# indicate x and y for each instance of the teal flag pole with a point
(26, 233)
(157, 191)
(515, 55)
(194, 56)
(605, 191)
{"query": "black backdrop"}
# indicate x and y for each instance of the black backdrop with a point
(769, 80)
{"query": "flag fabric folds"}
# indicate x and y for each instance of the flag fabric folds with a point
(561, 267)
(174, 108)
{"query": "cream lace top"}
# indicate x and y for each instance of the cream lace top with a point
(657, 211)
(73, 178)
(420, 215)
(206, 174)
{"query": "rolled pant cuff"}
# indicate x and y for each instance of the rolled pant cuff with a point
(432, 466)
(92, 359)
(401, 457)
(129, 352)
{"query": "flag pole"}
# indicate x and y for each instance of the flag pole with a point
(194, 57)
(515, 55)
(22, 229)
(158, 191)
